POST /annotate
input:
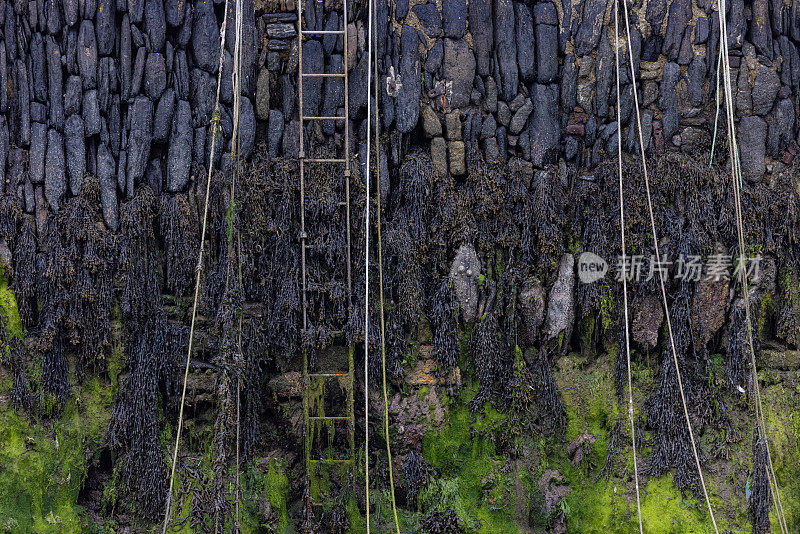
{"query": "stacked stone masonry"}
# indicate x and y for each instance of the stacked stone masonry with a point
(124, 89)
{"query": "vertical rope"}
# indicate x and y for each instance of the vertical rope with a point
(737, 183)
(214, 133)
(380, 291)
(625, 255)
(366, 267)
(661, 273)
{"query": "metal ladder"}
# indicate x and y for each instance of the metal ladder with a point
(314, 383)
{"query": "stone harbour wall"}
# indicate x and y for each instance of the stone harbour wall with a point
(124, 89)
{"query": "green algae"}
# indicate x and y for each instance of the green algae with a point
(9, 312)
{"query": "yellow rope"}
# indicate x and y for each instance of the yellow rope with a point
(661, 273)
(214, 133)
(737, 181)
(625, 278)
(380, 291)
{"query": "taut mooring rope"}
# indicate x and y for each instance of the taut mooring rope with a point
(624, 277)
(366, 267)
(661, 273)
(199, 268)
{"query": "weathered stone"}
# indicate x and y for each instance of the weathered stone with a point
(702, 29)
(752, 133)
(561, 301)
(765, 89)
(433, 59)
(108, 187)
(162, 124)
(458, 165)
(430, 19)
(506, 48)
(503, 113)
(179, 156)
(482, 31)
(247, 128)
(431, 124)
(696, 79)
(588, 34)
(668, 100)
(75, 151)
(543, 124)
(55, 183)
(313, 61)
(520, 118)
(155, 80)
(708, 308)
(458, 67)
(464, 274)
(439, 154)
(262, 94)
(407, 101)
(647, 320)
(275, 127)
(87, 58)
(531, 302)
(453, 125)
(736, 23)
(454, 18)
(175, 11)
(741, 90)
(781, 128)
(205, 36)
(140, 116)
(546, 42)
(138, 71)
(37, 152)
(604, 77)
(680, 14)
(761, 28)
(91, 113)
(334, 92)
(104, 26)
(526, 56)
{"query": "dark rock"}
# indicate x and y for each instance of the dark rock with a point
(526, 57)
(140, 116)
(155, 80)
(543, 124)
(108, 187)
(87, 57)
(752, 133)
(247, 128)
(154, 24)
(531, 302)
(104, 26)
(55, 183)
(91, 113)
(138, 71)
(454, 18)
(202, 97)
(329, 41)
(175, 11)
(656, 11)
(736, 23)
(281, 31)
(604, 77)
(668, 99)
(313, 61)
(262, 94)
(38, 112)
(742, 92)
(761, 28)
(136, 10)
(652, 48)
(464, 274)
(781, 128)
(506, 48)
(696, 78)
(546, 43)
(561, 301)
(179, 156)
(702, 29)
(591, 26)
(205, 36)
(401, 9)
(482, 30)
(288, 92)
(180, 75)
(333, 94)
(75, 151)
(430, 19)
(765, 89)
(458, 67)
(520, 118)
(680, 14)
(569, 83)
(433, 60)
(125, 59)
(54, 84)
(275, 129)
(115, 126)
(570, 148)
(37, 152)
(407, 101)
(38, 67)
(71, 12)
(162, 124)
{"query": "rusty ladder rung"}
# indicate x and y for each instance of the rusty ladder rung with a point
(325, 160)
(322, 74)
(328, 417)
(322, 32)
(327, 375)
(325, 118)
